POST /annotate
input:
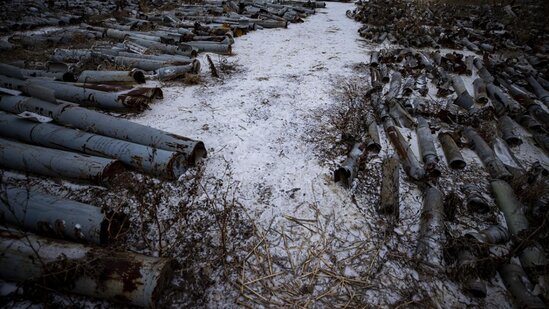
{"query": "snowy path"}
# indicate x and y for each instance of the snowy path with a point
(256, 119)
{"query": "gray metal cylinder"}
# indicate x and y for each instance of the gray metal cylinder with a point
(133, 76)
(510, 206)
(427, 147)
(481, 96)
(494, 166)
(495, 234)
(53, 216)
(349, 168)
(509, 129)
(154, 161)
(373, 142)
(539, 91)
(374, 59)
(98, 123)
(513, 277)
(56, 163)
(431, 228)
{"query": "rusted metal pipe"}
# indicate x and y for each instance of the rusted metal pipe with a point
(451, 151)
(53, 216)
(98, 123)
(411, 165)
(122, 277)
(389, 198)
(507, 103)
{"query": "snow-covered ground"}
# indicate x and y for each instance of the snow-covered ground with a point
(314, 242)
(317, 244)
(256, 119)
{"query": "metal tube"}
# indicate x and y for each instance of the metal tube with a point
(133, 76)
(542, 94)
(476, 202)
(394, 86)
(469, 65)
(495, 234)
(272, 23)
(451, 151)
(75, 94)
(374, 59)
(375, 79)
(400, 115)
(508, 103)
(384, 71)
(57, 217)
(143, 64)
(181, 49)
(408, 159)
(427, 147)
(481, 96)
(513, 277)
(510, 206)
(389, 198)
(349, 168)
(123, 277)
(539, 113)
(211, 47)
(56, 163)
(494, 166)
(530, 123)
(373, 142)
(431, 228)
(504, 154)
(173, 72)
(463, 99)
(154, 161)
(408, 86)
(509, 129)
(542, 140)
(98, 123)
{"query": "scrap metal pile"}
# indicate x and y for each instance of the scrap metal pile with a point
(54, 122)
(492, 99)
